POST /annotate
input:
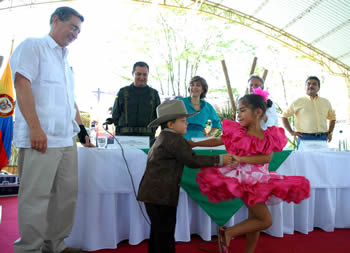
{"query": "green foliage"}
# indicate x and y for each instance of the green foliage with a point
(85, 118)
(127, 78)
(225, 112)
(234, 91)
(179, 42)
(292, 141)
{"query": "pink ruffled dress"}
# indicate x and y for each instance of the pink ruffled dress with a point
(252, 183)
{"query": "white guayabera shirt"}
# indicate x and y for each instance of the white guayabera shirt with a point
(44, 63)
(272, 119)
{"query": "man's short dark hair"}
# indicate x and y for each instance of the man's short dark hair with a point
(314, 78)
(257, 77)
(65, 13)
(203, 83)
(140, 64)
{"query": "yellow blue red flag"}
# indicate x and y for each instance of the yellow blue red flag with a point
(7, 106)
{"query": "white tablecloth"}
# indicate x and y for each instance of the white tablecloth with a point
(107, 211)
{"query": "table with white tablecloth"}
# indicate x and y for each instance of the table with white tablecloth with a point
(107, 210)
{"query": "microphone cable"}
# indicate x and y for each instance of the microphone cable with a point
(127, 166)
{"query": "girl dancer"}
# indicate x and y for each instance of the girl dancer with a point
(249, 178)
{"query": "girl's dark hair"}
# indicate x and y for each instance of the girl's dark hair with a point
(269, 103)
(203, 83)
(255, 101)
(165, 124)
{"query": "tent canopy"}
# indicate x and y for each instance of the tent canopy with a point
(320, 25)
(319, 29)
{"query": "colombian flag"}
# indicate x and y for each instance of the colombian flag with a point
(7, 106)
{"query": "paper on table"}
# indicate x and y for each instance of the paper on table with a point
(134, 142)
(313, 145)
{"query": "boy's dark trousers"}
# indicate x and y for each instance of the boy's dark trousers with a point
(163, 222)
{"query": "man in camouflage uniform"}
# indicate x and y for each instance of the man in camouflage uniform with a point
(135, 105)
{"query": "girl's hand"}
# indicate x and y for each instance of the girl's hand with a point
(227, 158)
(236, 158)
(234, 163)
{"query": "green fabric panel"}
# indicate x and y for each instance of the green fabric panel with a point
(223, 211)
(278, 159)
(145, 150)
(219, 212)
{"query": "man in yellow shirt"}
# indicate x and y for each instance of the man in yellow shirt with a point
(311, 114)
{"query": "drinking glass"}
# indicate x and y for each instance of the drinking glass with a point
(102, 142)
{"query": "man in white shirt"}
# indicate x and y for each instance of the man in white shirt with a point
(47, 119)
(271, 118)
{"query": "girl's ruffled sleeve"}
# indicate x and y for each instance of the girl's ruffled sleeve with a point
(276, 138)
(232, 136)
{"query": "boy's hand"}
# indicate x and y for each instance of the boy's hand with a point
(192, 143)
(227, 158)
(235, 163)
(236, 158)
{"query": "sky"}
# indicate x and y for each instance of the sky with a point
(108, 46)
(87, 54)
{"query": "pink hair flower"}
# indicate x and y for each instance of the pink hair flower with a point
(264, 94)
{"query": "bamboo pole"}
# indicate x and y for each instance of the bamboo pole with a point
(252, 70)
(229, 90)
(265, 74)
(12, 44)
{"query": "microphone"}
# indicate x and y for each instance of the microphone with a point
(109, 121)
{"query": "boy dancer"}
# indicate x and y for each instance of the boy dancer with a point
(160, 185)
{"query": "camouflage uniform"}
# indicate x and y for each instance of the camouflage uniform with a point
(134, 108)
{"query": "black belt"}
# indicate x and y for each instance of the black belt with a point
(314, 134)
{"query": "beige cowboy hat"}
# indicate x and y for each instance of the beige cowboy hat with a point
(170, 110)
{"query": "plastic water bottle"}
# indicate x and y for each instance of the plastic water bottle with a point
(93, 139)
(342, 142)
